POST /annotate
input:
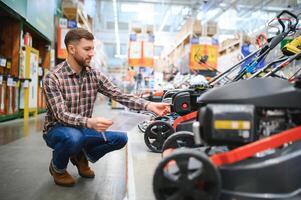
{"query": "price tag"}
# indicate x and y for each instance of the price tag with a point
(1, 79)
(26, 84)
(18, 84)
(10, 81)
(40, 72)
(2, 62)
(14, 83)
(8, 64)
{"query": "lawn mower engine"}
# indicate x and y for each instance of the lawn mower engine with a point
(234, 125)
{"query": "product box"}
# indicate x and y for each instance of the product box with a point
(72, 24)
(197, 27)
(2, 97)
(212, 28)
(63, 22)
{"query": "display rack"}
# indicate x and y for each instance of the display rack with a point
(9, 53)
(16, 36)
(43, 47)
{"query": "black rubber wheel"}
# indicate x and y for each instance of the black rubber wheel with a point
(178, 140)
(156, 134)
(186, 174)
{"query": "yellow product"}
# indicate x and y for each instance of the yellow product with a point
(293, 47)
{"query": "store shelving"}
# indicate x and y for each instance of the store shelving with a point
(9, 52)
(229, 46)
(16, 36)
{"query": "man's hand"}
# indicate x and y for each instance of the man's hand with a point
(99, 124)
(160, 109)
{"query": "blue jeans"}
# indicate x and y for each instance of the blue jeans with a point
(69, 141)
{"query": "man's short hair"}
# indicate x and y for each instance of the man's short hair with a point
(74, 35)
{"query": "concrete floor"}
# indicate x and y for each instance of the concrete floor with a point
(121, 175)
(24, 161)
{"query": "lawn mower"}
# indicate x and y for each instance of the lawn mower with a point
(248, 137)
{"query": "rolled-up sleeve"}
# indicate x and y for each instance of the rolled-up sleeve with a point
(106, 87)
(57, 105)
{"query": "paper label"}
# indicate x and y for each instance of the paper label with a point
(2, 62)
(10, 81)
(40, 71)
(8, 65)
(26, 84)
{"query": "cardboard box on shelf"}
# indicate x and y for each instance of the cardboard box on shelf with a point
(16, 98)
(135, 27)
(63, 22)
(9, 98)
(149, 29)
(2, 97)
(71, 7)
(212, 28)
(70, 13)
(197, 27)
(69, 3)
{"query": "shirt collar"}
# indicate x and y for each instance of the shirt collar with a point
(70, 71)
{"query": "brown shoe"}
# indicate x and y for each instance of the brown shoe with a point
(81, 162)
(62, 179)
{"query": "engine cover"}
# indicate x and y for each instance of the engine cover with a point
(185, 102)
(228, 124)
(264, 93)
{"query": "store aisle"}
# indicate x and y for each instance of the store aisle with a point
(24, 161)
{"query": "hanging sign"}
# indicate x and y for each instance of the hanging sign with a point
(135, 52)
(61, 49)
(201, 51)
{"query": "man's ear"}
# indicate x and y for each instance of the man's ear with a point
(71, 49)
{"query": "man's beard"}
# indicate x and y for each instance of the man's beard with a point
(80, 61)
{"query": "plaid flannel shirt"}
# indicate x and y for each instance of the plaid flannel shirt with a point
(70, 100)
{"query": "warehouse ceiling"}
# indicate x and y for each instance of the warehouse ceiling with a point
(167, 17)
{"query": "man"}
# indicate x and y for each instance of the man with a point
(69, 129)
